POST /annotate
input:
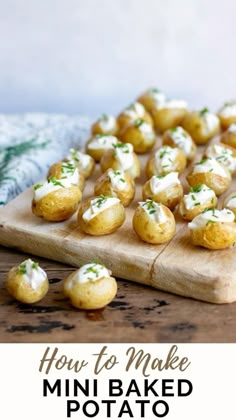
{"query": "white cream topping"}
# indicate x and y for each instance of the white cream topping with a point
(165, 157)
(81, 160)
(99, 204)
(211, 216)
(210, 165)
(107, 122)
(211, 121)
(135, 110)
(154, 211)
(145, 128)
(163, 182)
(223, 155)
(228, 110)
(230, 201)
(199, 195)
(117, 179)
(46, 188)
(182, 139)
(69, 174)
(124, 155)
(32, 273)
(232, 128)
(101, 141)
(88, 272)
(173, 104)
(158, 96)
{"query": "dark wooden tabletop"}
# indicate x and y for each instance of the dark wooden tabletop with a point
(137, 314)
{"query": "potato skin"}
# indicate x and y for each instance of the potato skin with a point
(151, 232)
(229, 139)
(189, 214)
(193, 124)
(178, 165)
(55, 171)
(105, 223)
(140, 142)
(58, 205)
(103, 186)
(167, 140)
(91, 295)
(97, 129)
(214, 181)
(109, 160)
(215, 235)
(165, 118)
(169, 197)
(226, 121)
(124, 120)
(21, 290)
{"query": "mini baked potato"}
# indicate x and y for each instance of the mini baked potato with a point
(229, 136)
(132, 113)
(224, 154)
(101, 215)
(55, 202)
(140, 134)
(165, 160)
(196, 201)
(230, 202)
(210, 172)
(152, 98)
(90, 287)
(227, 114)
(122, 158)
(169, 114)
(27, 282)
(165, 189)
(84, 162)
(98, 144)
(178, 137)
(117, 184)
(201, 125)
(68, 173)
(213, 229)
(153, 222)
(106, 124)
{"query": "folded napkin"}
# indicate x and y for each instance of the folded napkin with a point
(30, 143)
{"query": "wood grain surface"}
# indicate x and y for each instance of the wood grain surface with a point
(138, 314)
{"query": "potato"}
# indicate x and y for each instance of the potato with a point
(90, 287)
(229, 136)
(122, 158)
(98, 144)
(140, 134)
(213, 229)
(84, 162)
(116, 183)
(224, 154)
(211, 173)
(169, 115)
(101, 215)
(67, 172)
(152, 98)
(153, 223)
(201, 125)
(106, 124)
(132, 113)
(227, 114)
(165, 189)
(178, 137)
(27, 282)
(196, 201)
(230, 202)
(165, 160)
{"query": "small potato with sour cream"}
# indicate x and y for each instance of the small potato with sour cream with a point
(210, 172)
(117, 184)
(90, 287)
(152, 98)
(106, 124)
(227, 114)
(84, 162)
(68, 173)
(201, 125)
(169, 114)
(230, 202)
(196, 201)
(101, 215)
(132, 113)
(122, 158)
(224, 154)
(97, 145)
(178, 137)
(229, 136)
(140, 134)
(153, 222)
(27, 282)
(165, 160)
(213, 229)
(165, 189)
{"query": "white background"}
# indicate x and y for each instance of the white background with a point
(91, 56)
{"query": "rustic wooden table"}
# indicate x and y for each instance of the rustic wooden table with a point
(138, 314)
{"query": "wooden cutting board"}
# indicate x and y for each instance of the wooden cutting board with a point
(176, 266)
